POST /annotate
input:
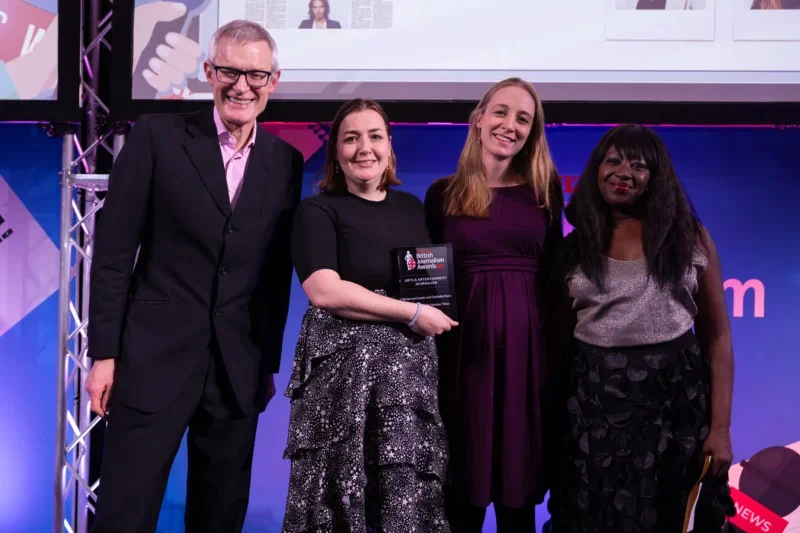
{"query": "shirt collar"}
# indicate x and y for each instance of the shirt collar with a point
(225, 137)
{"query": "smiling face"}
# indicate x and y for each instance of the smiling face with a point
(318, 9)
(240, 103)
(506, 122)
(622, 181)
(363, 148)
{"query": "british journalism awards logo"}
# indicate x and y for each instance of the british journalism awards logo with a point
(411, 262)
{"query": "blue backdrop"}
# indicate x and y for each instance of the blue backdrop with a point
(29, 200)
(744, 182)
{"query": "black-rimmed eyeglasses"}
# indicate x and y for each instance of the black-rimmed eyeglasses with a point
(230, 75)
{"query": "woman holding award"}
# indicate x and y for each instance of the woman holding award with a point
(366, 441)
(501, 212)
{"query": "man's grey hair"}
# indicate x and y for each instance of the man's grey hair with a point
(243, 32)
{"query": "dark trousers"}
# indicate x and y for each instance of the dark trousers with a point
(140, 448)
(468, 519)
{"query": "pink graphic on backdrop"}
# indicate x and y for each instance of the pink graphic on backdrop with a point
(22, 26)
(739, 290)
(568, 184)
(29, 261)
(305, 137)
(567, 227)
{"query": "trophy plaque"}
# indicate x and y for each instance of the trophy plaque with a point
(425, 275)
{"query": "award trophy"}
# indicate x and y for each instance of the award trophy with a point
(425, 275)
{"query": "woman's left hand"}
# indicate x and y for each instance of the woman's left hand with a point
(718, 446)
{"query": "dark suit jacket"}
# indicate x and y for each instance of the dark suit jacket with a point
(308, 24)
(203, 271)
(786, 4)
(651, 4)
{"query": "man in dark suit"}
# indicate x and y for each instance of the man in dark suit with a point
(327, 24)
(189, 334)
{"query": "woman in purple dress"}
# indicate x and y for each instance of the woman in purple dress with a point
(501, 211)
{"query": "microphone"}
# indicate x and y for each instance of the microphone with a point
(769, 491)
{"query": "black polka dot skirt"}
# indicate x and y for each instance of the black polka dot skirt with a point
(634, 423)
(367, 446)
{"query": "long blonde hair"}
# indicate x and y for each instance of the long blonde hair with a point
(468, 192)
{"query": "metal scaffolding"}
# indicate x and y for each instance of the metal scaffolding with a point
(75, 491)
(75, 484)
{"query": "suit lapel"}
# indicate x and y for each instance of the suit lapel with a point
(204, 151)
(259, 176)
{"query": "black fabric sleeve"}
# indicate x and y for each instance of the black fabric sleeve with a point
(555, 226)
(558, 310)
(434, 210)
(314, 244)
(119, 231)
(270, 301)
(556, 328)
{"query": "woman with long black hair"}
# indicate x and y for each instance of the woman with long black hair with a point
(647, 399)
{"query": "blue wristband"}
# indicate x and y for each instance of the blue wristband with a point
(416, 315)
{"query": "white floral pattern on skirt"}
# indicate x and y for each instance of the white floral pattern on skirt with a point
(366, 441)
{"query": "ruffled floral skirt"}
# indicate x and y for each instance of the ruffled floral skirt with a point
(632, 442)
(366, 441)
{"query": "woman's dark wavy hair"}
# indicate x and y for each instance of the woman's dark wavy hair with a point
(671, 226)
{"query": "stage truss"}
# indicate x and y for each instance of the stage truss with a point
(75, 489)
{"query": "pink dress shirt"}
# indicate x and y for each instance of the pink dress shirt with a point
(235, 161)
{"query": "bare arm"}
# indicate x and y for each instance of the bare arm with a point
(315, 253)
(326, 290)
(714, 333)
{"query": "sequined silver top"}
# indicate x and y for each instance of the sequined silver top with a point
(633, 310)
